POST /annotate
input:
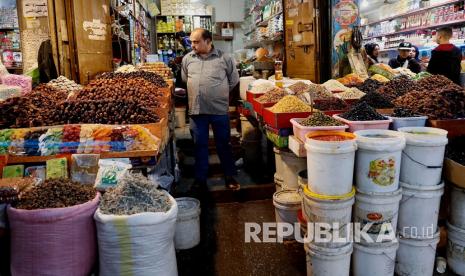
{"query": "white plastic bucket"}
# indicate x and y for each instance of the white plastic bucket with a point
(278, 182)
(374, 259)
(457, 207)
(380, 209)
(378, 159)
(456, 249)
(415, 257)
(330, 164)
(288, 165)
(422, 158)
(323, 261)
(187, 233)
(180, 115)
(287, 204)
(317, 209)
(419, 210)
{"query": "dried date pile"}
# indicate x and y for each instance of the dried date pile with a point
(400, 112)
(58, 193)
(137, 90)
(330, 104)
(397, 87)
(104, 112)
(134, 194)
(369, 85)
(362, 112)
(376, 100)
(153, 78)
(441, 103)
(433, 82)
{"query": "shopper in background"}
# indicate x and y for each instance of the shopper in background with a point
(415, 53)
(404, 59)
(210, 75)
(372, 51)
(446, 58)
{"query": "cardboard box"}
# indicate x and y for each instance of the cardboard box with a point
(297, 146)
(454, 172)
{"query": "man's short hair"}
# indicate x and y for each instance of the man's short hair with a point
(206, 34)
(446, 32)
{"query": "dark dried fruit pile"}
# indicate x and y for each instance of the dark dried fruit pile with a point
(362, 112)
(104, 112)
(320, 119)
(444, 103)
(433, 82)
(455, 150)
(397, 87)
(154, 78)
(58, 193)
(370, 85)
(330, 104)
(376, 100)
(400, 112)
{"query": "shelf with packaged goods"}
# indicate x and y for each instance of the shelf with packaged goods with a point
(264, 23)
(257, 44)
(412, 12)
(438, 25)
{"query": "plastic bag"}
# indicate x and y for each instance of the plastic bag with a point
(382, 69)
(84, 168)
(109, 173)
(57, 168)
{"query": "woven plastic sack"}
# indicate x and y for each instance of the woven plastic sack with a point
(25, 82)
(140, 244)
(60, 241)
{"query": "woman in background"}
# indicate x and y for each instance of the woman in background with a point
(372, 50)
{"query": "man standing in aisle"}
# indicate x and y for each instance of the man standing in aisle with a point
(404, 60)
(446, 58)
(210, 75)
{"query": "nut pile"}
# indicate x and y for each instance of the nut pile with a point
(400, 112)
(330, 104)
(290, 104)
(153, 78)
(350, 94)
(57, 193)
(397, 87)
(134, 194)
(126, 68)
(104, 112)
(137, 90)
(376, 100)
(272, 96)
(63, 83)
(320, 119)
(362, 112)
(439, 103)
(370, 85)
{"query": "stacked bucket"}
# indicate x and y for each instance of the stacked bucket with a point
(456, 231)
(422, 188)
(286, 199)
(328, 198)
(378, 165)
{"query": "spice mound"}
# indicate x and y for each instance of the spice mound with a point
(376, 100)
(351, 94)
(290, 104)
(362, 112)
(403, 113)
(320, 119)
(272, 96)
(299, 88)
(134, 194)
(57, 193)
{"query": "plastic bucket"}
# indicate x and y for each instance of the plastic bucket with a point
(278, 182)
(180, 115)
(323, 261)
(329, 210)
(187, 233)
(374, 259)
(379, 209)
(379, 155)
(399, 122)
(457, 207)
(330, 164)
(419, 210)
(287, 204)
(416, 256)
(288, 165)
(456, 249)
(423, 157)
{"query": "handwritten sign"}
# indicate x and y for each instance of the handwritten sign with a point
(35, 8)
(96, 29)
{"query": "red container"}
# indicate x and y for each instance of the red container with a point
(258, 107)
(454, 127)
(251, 95)
(282, 120)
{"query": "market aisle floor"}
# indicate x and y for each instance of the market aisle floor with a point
(223, 251)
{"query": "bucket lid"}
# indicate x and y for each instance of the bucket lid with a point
(422, 191)
(330, 147)
(379, 198)
(313, 195)
(188, 206)
(283, 152)
(421, 241)
(380, 140)
(287, 197)
(424, 136)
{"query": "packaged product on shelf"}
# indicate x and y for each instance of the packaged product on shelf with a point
(31, 141)
(38, 172)
(101, 139)
(17, 146)
(57, 168)
(13, 171)
(25, 82)
(50, 142)
(71, 138)
(84, 168)
(86, 139)
(5, 140)
(109, 173)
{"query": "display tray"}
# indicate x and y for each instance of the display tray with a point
(454, 172)
(157, 129)
(251, 95)
(259, 107)
(454, 127)
(282, 120)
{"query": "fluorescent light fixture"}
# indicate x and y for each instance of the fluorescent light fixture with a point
(364, 4)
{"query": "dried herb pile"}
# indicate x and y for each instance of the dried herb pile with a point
(376, 100)
(320, 119)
